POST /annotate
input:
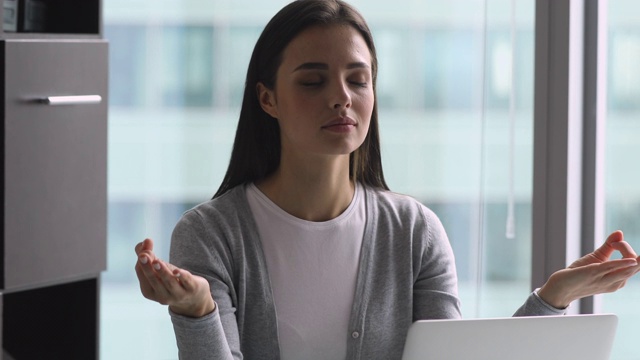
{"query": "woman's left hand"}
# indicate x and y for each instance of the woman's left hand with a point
(592, 274)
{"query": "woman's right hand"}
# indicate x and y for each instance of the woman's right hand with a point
(185, 293)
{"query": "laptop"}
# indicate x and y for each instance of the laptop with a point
(584, 337)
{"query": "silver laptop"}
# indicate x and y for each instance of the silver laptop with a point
(584, 337)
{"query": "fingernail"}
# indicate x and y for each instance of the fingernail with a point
(156, 266)
(143, 259)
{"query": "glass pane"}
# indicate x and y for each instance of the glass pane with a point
(506, 159)
(127, 56)
(448, 137)
(622, 147)
(187, 63)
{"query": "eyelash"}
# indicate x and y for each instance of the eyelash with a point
(360, 84)
(318, 83)
(311, 84)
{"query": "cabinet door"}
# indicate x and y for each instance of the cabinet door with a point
(54, 161)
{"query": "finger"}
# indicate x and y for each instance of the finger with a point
(625, 249)
(603, 253)
(618, 264)
(619, 277)
(158, 288)
(145, 248)
(615, 237)
(145, 287)
(146, 257)
(613, 287)
(185, 279)
(145, 245)
(166, 275)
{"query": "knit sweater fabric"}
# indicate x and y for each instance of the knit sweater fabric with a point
(406, 273)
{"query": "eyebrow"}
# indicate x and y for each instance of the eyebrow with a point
(324, 66)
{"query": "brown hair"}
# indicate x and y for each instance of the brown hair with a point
(256, 148)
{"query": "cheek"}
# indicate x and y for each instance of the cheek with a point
(294, 110)
(365, 105)
(297, 103)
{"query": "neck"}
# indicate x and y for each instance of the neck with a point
(311, 190)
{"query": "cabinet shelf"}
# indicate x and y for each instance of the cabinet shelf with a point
(56, 322)
(34, 18)
(47, 36)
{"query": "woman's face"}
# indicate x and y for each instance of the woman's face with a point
(323, 96)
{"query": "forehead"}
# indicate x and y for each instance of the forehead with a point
(332, 44)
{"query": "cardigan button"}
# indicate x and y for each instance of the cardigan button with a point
(355, 334)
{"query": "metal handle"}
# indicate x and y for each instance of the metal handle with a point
(71, 100)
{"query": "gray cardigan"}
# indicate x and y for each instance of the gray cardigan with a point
(406, 273)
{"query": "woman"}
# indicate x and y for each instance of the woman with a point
(303, 253)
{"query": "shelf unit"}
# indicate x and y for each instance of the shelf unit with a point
(53, 105)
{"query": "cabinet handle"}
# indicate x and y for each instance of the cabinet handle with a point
(71, 100)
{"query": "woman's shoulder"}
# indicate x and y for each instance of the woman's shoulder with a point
(223, 217)
(230, 205)
(387, 200)
(402, 215)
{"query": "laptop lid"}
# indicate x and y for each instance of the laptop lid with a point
(584, 337)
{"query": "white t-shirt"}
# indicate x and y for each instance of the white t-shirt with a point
(313, 269)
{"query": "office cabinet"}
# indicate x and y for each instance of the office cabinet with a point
(54, 161)
(53, 152)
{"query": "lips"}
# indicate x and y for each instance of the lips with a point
(341, 121)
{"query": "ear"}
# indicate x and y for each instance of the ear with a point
(267, 100)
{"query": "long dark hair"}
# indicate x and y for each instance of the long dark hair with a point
(256, 148)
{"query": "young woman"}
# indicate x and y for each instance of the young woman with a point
(304, 253)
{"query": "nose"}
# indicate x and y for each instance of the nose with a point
(340, 97)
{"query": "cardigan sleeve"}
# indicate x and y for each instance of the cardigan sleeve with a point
(200, 338)
(435, 292)
(213, 336)
(535, 306)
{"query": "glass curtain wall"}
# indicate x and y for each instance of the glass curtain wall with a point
(456, 130)
(622, 194)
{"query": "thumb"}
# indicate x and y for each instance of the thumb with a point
(615, 241)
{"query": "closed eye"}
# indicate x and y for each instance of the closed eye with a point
(358, 83)
(311, 83)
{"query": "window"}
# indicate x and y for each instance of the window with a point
(622, 146)
(127, 57)
(187, 66)
(177, 75)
